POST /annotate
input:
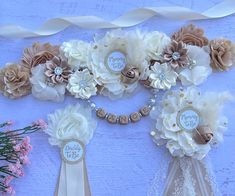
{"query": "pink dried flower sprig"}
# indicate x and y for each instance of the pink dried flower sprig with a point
(7, 123)
(40, 123)
(14, 150)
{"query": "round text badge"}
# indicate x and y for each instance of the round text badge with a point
(116, 61)
(188, 119)
(72, 151)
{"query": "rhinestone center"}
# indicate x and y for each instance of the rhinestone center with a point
(83, 84)
(161, 76)
(192, 63)
(176, 55)
(58, 71)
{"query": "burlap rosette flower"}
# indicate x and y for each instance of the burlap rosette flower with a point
(14, 81)
(222, 54)
(38, 54)
(191, 35)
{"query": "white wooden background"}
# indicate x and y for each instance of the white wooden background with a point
(121, 161)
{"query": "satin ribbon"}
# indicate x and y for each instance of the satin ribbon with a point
(131, 18)
(73, 180)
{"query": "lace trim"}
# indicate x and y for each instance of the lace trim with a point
(184, 177)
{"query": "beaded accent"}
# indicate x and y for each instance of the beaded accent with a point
(124, 119)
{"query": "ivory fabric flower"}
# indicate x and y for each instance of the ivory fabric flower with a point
(14, 81)
(176, 54)
(118, 50)
(82, 85)
(72, 122)
(162, 76)
(191, 35)
(76, 52)
(179, 141)
(156, 42)
(57, 70)
(38, 54)
(221, 52)
(43, 88)
(198, 68)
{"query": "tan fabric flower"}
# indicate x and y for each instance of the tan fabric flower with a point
(57, 70)
(191, 35)
(221, 53)
(176, 54)
(14, 81)
(38, 54)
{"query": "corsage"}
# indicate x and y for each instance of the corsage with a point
(189, 124)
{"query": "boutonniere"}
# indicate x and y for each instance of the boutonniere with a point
(71, 130)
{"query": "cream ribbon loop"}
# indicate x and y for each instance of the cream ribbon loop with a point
(131, 18)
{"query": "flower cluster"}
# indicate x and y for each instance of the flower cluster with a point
(188, 123)
(186, 57)
(115, 64)
(72, 122)
(118, 62)
(190, 55)
(14, 152)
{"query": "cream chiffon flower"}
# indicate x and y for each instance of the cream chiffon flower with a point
(82, 85)
(156, 42)
(72, 122)
(180, 142)
(162, 76)
(198, 68)
(132, 46)
(76, 52)
(43, 89)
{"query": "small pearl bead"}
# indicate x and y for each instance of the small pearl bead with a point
(152, 101)
(154, 92)
(93, 106)
(153, 133)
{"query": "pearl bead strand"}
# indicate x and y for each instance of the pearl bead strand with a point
(124, 119)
